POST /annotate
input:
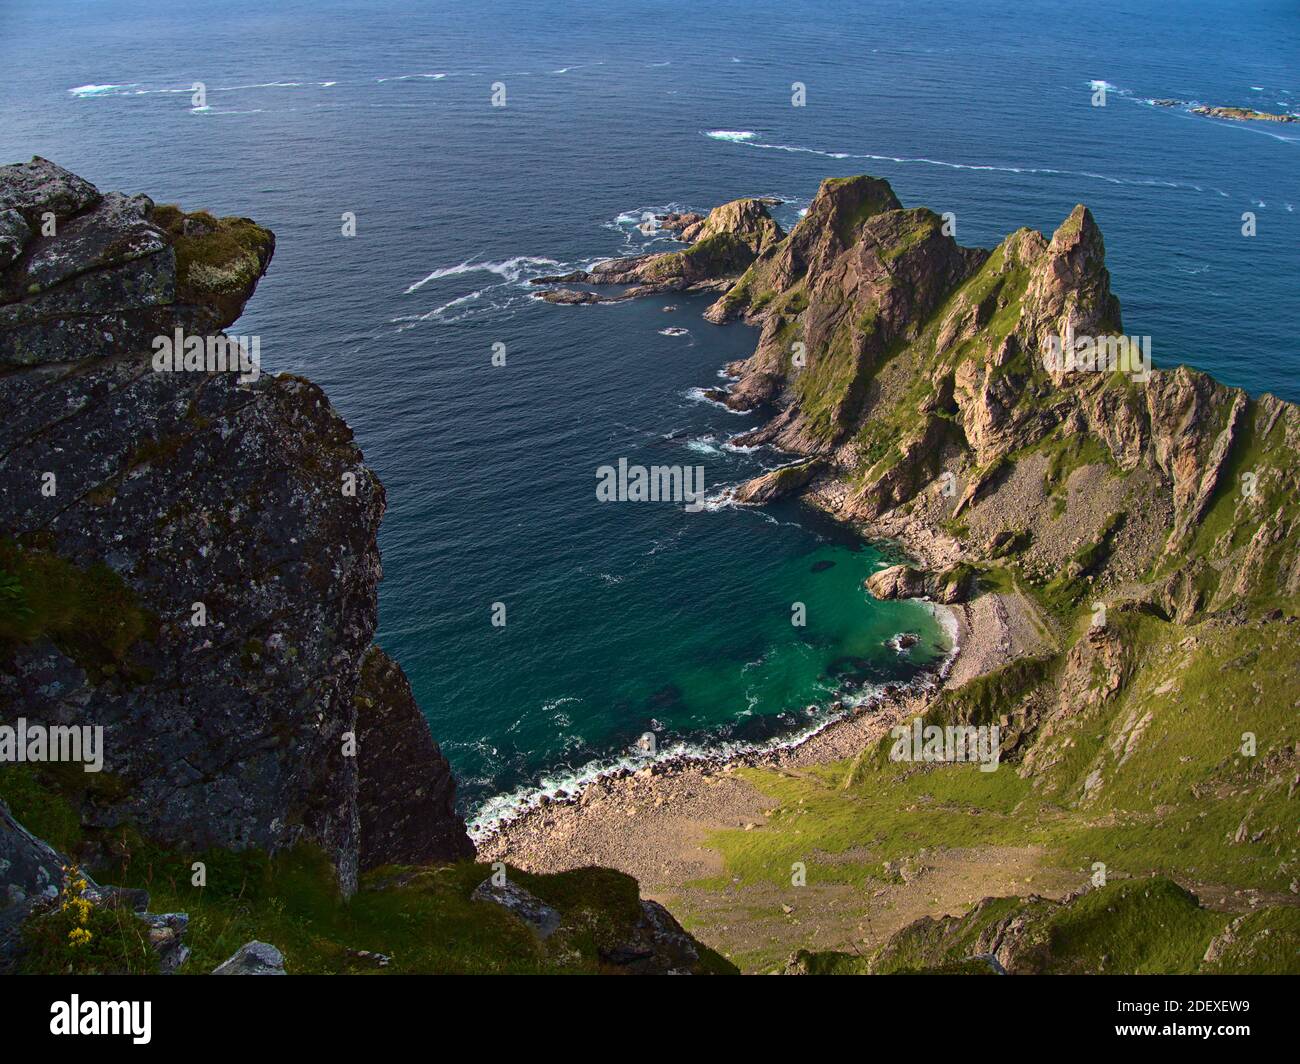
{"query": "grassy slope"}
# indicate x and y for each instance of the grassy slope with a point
(1174, 805)
(422, 918)
(1138, 926)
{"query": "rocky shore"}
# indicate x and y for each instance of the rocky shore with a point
(651, 823)
(1060, 515)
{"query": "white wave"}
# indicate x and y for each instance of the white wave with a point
(706, 445)
(568, 785)
(136, 89)
(100, 90)
(409, 320)
(510, 270)
(260, 85)
(697, 395)
(922, 160)
(414, 77)
(735, 136)
(1099, 83)
(948, 622)
(674, 330)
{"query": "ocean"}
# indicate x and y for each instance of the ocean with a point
(622, 619)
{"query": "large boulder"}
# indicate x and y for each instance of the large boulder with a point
(253, 958)
(216, 533)
(31, 874)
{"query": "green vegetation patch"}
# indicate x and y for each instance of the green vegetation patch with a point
(216, 258)
(88, 612)
(422, 918)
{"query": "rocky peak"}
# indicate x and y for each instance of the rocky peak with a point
(896, 355)
(746, 219)
(842, 204)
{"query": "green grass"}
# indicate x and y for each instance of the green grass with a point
(1172, 804)
(1134, 927)
(423, 918)
(88, 612)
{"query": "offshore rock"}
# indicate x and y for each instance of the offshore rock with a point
(723, 245)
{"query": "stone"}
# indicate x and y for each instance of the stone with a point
(253, 958)
(541, 918)
(200, 487)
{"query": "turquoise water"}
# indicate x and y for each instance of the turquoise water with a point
(629, 617)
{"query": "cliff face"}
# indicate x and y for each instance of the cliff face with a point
(407, 812)
(1122, 542)
(190, 556)
(918, 372)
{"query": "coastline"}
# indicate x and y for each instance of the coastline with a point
(683, 793)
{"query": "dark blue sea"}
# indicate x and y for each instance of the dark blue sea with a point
(623, 619)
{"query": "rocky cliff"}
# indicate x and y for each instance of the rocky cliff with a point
(918, 375)
(188, 555)
(1120, 541)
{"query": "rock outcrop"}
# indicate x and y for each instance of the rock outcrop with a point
(253, 958)
(210, 536)
(36, 883)
(1244, 114)
(778, 483)
(723, 245)
(648, 940)
(31, 875)
(1112, 930)
(921, 377)
(407, 795)
(906, 581)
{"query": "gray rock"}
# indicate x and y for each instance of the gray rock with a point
(39, 186)
(115, 231)
(540, 917)
(31, 873)
(253, 958)
(406, 797)
(14, 235)
(196, 487)
(165, 933)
